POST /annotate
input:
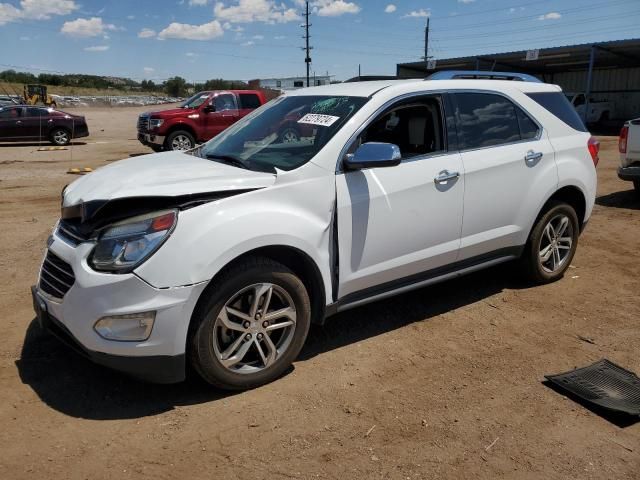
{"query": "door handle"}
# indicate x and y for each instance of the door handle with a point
(18, 122)
(446, 175)
(532, 156)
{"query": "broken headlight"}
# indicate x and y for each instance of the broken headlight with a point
(124, 245)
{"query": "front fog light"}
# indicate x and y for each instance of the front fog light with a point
(134, 327)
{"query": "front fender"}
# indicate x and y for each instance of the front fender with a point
(210, 236)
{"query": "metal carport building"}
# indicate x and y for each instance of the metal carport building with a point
(604, 71)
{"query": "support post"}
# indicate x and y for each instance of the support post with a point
(587, 93)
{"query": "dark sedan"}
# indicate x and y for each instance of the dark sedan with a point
(23, 123)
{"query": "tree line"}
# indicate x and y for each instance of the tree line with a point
(174, 87)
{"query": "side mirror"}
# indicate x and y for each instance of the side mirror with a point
(373, 155)
(209, 109)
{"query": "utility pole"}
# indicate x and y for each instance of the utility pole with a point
(306, 37)
(426, 45)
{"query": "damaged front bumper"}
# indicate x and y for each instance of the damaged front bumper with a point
(92, 295)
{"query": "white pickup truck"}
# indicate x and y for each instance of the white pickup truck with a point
(599, 111)
(629, 147)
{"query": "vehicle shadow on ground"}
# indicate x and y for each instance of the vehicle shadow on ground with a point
(380, 317)
(623, 199)
(73, 385)
(38, 144)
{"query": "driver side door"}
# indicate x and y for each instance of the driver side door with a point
(224, 113)
(398, 224)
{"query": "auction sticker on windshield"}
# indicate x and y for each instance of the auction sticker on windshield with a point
(318, 119)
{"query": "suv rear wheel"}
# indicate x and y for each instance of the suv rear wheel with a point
(636, 185)
(179, 140)
(552, 243)
(252, 327)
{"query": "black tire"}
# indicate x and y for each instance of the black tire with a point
(253, 270)
(531, 261)
(179, 136)
(157, 148)
(60, 136)
(636, 185)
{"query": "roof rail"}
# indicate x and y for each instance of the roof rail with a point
(482, 75)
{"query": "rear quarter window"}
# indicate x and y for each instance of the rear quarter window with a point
(249, 100)
(559, 106)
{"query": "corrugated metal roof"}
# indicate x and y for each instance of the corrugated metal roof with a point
(612, 54)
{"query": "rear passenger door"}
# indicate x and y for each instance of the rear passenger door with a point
(248, 103)
(34, 126)
(509, 168)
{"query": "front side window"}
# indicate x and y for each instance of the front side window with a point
(224, 102)
(284, 134)
(414, 125)
(485, 119)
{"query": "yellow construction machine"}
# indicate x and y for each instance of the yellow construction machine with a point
(37, 94)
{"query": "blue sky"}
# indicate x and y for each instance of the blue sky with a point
(245, 39)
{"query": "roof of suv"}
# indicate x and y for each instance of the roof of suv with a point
(367, 89)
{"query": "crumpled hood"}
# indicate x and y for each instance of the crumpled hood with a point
(168, 174)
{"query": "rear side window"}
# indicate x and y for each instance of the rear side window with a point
(249, 100)
(557, 103)
(485, 119)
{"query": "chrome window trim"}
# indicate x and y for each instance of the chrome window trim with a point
(451, 91)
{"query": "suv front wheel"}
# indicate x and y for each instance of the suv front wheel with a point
(552, 243)
(252, 327)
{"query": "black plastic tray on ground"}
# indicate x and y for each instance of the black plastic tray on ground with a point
(604, 384)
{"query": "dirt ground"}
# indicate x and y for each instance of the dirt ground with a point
(444, 382)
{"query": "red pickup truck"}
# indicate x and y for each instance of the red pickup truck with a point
(198, 119)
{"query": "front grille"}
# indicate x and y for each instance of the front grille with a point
(70, 234)
(143, 123)
(56, 276)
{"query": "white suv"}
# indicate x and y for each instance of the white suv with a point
(221, 257)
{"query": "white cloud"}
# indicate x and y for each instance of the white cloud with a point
(550, 16)
(191, 54)
(334, 8)
(35, 10)
(86, 27)
(25, 39)
(149, 69)
(146, 33)
(258, 37)
(185, 31)
(248, 11)
(279, 37)
(97, 48)
(390, 8)
(131, 17)
(249, 43)
(422, 13)
(198, 3)
(466, 2)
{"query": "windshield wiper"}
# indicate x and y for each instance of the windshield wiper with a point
(230, 159)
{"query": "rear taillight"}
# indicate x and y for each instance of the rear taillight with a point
(622, 142)
(594, 148)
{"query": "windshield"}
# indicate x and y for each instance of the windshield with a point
(195, 101)
(285, 134)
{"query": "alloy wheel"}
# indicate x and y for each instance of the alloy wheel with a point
(254, 328)
(290, 136)
(61, 137)
(181, 142)
(556, 243)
